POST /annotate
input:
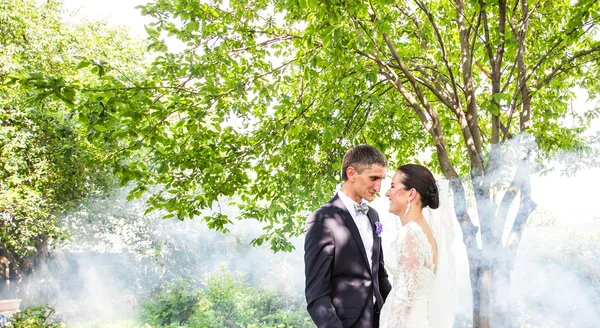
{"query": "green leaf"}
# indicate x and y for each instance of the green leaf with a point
(498, 97)
(83, 119)
(493, 108)
(121, 106)
(99, 128)
(68, 153)
(192, 26)
(372, 76)
(101, 70)
(151, 32)
(82, 64)
(69, 94)
(257, 241)
(35, 75)
(337, 35)
(375, 100)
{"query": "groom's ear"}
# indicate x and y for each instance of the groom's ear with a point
(351, 173)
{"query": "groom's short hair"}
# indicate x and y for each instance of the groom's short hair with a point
(360, 158)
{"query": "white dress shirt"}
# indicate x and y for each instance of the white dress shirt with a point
(362, 223)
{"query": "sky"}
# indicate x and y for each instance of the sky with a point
(117, 12)
(572, 200)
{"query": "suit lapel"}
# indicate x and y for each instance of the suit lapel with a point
(347, 217)
(376, 242)
(376, 255)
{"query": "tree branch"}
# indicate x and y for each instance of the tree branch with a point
(280, 38)
(544, 57)
(525, 114)
(502, 34)
(486, 29)
(507, 200)
(556, 70)
(526, 207)
(423, 41)
(437, 91)
(472, 116)
(443, 49)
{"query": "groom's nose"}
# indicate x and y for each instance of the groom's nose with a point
(377, 186)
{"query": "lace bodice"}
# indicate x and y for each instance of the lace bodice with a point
(412, 268)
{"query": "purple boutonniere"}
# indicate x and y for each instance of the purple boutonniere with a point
(378, 228)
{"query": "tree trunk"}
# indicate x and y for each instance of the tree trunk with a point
(501, 292)
(13, 269)
(491, 297)
(4, 279)
(491, 279)
(3, 274)
(9, 274)
(482, 292)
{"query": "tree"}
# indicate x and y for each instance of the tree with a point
(266, 96)
(48, 165)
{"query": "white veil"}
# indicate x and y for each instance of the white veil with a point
(443, 295)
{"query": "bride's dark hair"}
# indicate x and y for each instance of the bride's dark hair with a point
(419, 177)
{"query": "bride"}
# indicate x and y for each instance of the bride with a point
(420, 258)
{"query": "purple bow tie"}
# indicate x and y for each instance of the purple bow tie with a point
(363, 208)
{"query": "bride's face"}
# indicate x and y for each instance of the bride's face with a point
(398, 195)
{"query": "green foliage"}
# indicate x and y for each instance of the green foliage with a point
(226, 301)
(35, 317)
(176, 302)
(44, 172)
(541, 217)
(229, 302)
(265, 97)
(48, 162)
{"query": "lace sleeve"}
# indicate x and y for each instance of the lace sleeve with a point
(410, 262)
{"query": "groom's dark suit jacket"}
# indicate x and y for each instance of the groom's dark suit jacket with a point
(339, 283)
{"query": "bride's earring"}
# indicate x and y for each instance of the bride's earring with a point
(407, 208)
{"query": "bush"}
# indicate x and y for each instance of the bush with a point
(226, 301)
(174, 305)
(41, 316)
(229, 302)
(541, 217)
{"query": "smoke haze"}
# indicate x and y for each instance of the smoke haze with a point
(117, 257)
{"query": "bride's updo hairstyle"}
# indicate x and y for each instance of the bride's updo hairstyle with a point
(419, 177)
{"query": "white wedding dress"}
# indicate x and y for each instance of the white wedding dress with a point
(413, 276)
(420, 298)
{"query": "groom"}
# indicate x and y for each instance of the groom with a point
(346, 283)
